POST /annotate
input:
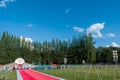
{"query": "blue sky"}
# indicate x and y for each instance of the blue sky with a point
(61, 19)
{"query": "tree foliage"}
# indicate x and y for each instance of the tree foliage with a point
(80, 48)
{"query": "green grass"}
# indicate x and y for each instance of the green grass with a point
(9, 75)
(80, 72)
(87, 72)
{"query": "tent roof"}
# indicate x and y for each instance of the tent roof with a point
(19, 61)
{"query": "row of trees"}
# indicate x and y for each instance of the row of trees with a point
(80, 48)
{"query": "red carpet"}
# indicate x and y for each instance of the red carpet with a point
(33, 75)
(25, 76)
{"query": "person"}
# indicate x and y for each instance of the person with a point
(66, 65)
(58, 66)
(13, 68)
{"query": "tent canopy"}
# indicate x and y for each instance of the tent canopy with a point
(19, 61)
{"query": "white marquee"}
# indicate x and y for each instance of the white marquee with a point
(19, 61)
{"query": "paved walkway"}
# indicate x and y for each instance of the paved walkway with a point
(34, 75)
(19, 77)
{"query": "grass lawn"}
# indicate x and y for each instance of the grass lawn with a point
(87, 72)
(9, 75)
(80, 72)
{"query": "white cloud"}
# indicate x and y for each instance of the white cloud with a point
(26, 39)
(3, 3)
(67, 26)
(113, 44)
(107, 46)
(95, 29)
(110, 35)
(78, 29)
(21, 37)
(29, 25)
(66, 40)
(67, 10)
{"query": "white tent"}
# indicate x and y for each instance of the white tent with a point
(19, 61)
